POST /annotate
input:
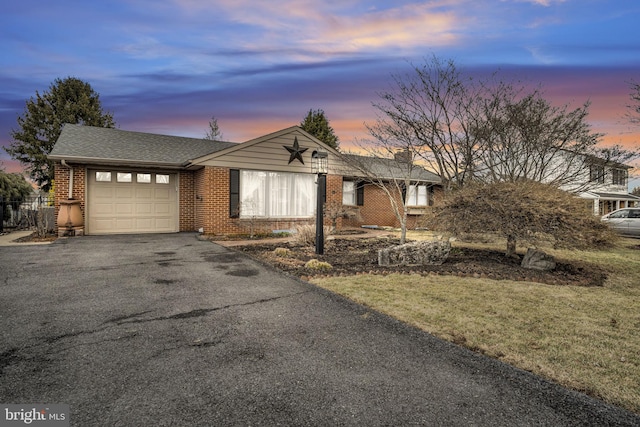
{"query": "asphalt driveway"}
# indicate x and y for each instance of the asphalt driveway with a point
(159, 330)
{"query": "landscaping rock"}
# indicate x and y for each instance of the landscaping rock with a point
(415, 253)
(536, 259)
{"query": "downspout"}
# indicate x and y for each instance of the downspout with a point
(64, 163)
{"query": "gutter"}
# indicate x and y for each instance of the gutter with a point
(118, 162)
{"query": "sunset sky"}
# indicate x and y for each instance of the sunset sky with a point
(167, 66)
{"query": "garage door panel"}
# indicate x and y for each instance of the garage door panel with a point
(144, 224)
(124, 224)
(124, 208)
(162, 209)
(103, 208)
(161, 194)
(144, 208)
(104, 192)
(103, 224)
(131, 207)
(163, 222)
(144, 193)
(124, 191)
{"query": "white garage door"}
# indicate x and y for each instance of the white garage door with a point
(131, 202)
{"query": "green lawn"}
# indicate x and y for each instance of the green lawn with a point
(584, 338)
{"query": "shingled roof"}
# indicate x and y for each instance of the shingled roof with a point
(96, 144)
(384, 168)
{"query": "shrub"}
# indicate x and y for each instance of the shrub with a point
(282, 252)
(525, 211)
(317, 265)
(306, 234)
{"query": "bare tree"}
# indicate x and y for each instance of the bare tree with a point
(527, 139)
(390, 166)
(633, 113)
(468, 129)
(213, 133)
(431, 111)
(473, 131)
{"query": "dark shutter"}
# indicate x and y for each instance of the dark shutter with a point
(234, 193)
(360, 193)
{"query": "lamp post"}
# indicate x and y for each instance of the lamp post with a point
(320, 166)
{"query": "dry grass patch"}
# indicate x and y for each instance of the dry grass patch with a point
(586, 338)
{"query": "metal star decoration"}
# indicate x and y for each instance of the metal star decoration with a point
(295, 151)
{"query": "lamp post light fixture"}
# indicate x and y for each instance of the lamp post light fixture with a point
(320, 162)
(320, 166)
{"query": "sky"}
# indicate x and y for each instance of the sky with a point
(168, 66)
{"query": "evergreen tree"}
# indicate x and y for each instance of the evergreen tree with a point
(317, 124)
(13, 189)
(67, 101)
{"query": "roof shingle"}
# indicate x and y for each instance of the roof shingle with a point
(96, 143)
(391, 169)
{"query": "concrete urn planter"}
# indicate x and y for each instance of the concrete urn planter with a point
(70, 217)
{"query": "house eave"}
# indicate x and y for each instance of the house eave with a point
(118, 162)
(595, 195)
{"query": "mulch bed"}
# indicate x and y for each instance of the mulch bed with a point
(35, 238)
(360, 256)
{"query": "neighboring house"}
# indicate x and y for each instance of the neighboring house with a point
(602, 182)
(606, 186)
(133, 182)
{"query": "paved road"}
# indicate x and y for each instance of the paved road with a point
(167, 330)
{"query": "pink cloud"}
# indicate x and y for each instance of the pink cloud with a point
(404, 27)
(337, 28)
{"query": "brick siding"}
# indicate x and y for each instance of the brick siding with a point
(61, 177)
(186, 204)
(376, 209)
(204, 203)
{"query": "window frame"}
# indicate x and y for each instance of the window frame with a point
(352, 192)
(166, 178)
(124, 177)
(271, 186)
(619, 176)
(101, 176)
(596, 173)
(413, 192)
(143, 175)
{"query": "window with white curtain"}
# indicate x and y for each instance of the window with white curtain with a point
(276, 194)
(348, 193)
(417, 195)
